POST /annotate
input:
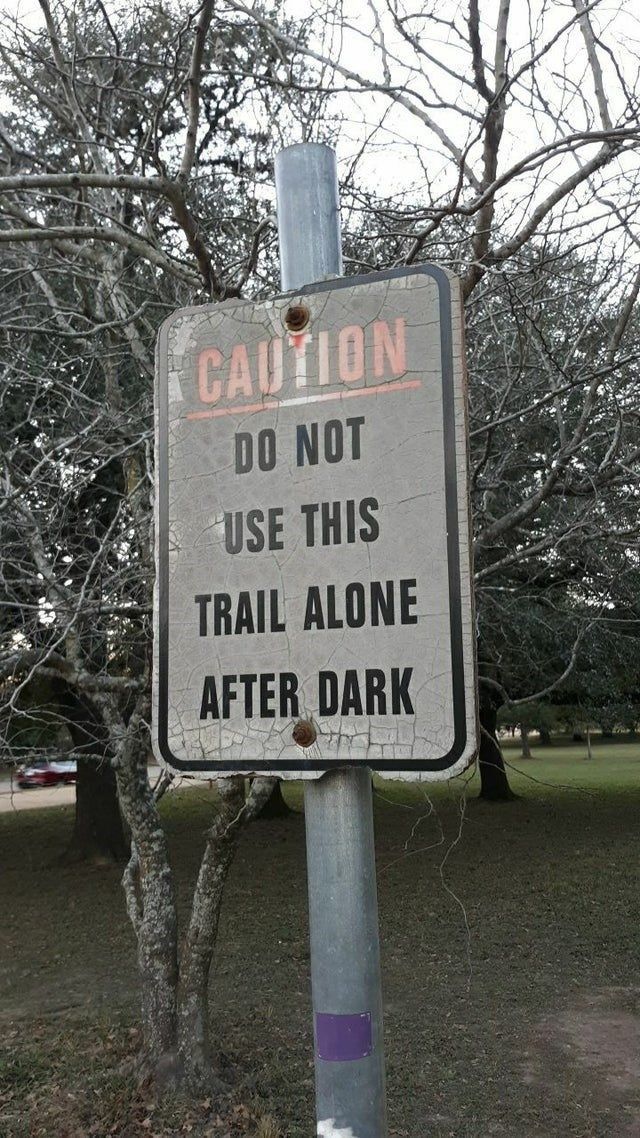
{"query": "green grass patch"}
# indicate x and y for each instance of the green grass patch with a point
(509, 940)
(614, 768)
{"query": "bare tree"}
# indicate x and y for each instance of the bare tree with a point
(133, 166)
(135, 178)
(504, 142)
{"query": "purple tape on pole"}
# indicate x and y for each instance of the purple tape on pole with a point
(343, 1037)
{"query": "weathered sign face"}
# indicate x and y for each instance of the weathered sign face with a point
(312, 533)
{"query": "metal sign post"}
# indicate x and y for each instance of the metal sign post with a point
(313, 615)
(341, 874)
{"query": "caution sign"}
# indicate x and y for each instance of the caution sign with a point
(313, 598)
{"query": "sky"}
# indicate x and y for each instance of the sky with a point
(403, 152)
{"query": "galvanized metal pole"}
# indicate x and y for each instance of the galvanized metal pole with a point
(343, 907)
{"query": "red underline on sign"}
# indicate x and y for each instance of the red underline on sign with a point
(275, 404)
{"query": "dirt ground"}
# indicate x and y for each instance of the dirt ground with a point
(510, 953)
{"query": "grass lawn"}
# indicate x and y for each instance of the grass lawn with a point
(510, 951)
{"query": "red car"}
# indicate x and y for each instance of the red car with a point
(47, 772)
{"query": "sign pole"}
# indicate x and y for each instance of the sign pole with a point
(343, 909)
(313, 609)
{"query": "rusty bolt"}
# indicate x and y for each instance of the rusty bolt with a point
(297, 317)
(304, 733)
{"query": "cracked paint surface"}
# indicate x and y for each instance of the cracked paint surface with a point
(404, 444)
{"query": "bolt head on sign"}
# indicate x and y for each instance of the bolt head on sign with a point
(313, 599)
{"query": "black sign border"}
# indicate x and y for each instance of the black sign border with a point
(457, 749)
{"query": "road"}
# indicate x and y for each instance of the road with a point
(13, 798)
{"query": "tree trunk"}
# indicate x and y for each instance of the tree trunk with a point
(545, 736)
(494, 784)
(175, 1006)
(98, 834)
(524, 741)
(196, 1052)
(158, 963)
(148, 887)
(589, 750)
(276, 806)
(197, 954)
